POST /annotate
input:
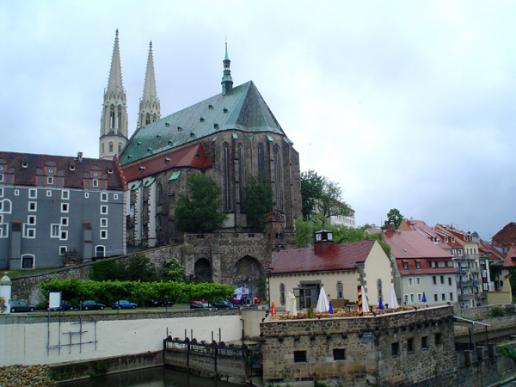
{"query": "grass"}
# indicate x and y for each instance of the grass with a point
(13, 274)
(110, 311)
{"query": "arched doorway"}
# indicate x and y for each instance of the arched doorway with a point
(249, 274)
(100, 251)
(202, 270)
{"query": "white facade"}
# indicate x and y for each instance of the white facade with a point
(438, 288)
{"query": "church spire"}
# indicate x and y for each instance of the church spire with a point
(227, 81)
(149, 103)
(113, 122)
(115, 74)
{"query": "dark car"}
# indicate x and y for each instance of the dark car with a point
(157, 303)
(199, 304)
(65, 305)
(222, 304)
(21, 306)
(124, 304)
(92, 305)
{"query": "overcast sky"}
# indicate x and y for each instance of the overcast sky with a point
(406, 104)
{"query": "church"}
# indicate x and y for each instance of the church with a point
(229, 137)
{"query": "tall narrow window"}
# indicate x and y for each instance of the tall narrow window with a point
(277, 178)
(112, 117)
(261, 160)
(119, 148)
(282, 294)
(227, 183)
(340, 290)
(110, 146)
(241, 177)
(119, 117)
(147, 119)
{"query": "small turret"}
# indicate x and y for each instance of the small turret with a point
(227, 81)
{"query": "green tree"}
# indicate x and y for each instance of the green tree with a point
(199, 210)
(394, 217)
(140, 268)
(173, 270)
(321, 196)
(258, 202)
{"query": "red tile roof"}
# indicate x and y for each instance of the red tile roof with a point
(334, 256)
(26, 166)
(506, 236)
(192, 156)
(413, 244)
(510, 258)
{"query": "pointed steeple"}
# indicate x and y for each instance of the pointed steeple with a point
(115, 73)
(149, 103)
(227, 81)
(149, 89)
(113, 122)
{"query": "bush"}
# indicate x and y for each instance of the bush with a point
(173, 270)
(135, 268)
(108, 292)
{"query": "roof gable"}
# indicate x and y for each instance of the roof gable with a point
(242, 108)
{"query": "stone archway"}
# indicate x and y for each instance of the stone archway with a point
(202, 270)
(249, 272)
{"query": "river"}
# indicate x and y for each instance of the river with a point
(150, 377)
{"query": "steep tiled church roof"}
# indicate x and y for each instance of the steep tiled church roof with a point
(242, 108)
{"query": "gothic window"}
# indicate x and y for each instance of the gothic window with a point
(112, 117)
(154, 118)
(119, 117)
(119, 148)
(261, 160)
(147, 119)
(277, 178)
(282, 294)
(226, 176)
(241, 177)
(110, 146)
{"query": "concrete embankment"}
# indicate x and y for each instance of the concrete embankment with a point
(33, 340)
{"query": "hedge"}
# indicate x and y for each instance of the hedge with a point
(108, 292)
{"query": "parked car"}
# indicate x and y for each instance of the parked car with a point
(199, 304)
(21, 306)
(222, 304)
(92, 305)
(157, 303)
(65, 305)
(124, 304)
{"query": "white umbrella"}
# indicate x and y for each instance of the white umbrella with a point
(365, 305)
(292, 307)
(323, 305)
(393, 300)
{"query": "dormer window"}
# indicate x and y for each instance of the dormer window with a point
(71, 167)
(110, 171)
(95, 183)
(323, 236)
(24, 164)
(405, 265)
(50, 179)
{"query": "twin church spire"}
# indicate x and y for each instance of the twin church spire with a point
(113, 122)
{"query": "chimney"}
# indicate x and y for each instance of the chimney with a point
(323, 242)
(79, 157)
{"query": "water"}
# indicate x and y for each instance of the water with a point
(151, 377)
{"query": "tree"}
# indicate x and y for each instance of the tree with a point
(139, 268)
(320, 195)
(258, 202)
(199, 210)
(393, 217)
(173, 270)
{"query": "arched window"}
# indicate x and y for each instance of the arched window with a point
(379, 289)
(119, 148)
(102, 148)
(226, 176)
(147, 119)
(340, 290)
(282, 294)
(119, 117)
(112, 117)
(154, 118)
(100, 251)
(261, 160)
(241, 177)
(27, 261)
(277, 178)
(110, 146)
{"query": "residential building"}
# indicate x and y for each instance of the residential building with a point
(425, 271)
(338, 267)
(505, 238)
(56, 209)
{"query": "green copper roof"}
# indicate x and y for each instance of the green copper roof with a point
(242, 109)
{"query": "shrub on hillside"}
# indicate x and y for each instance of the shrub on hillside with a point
(108, 292)
(135, 268)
